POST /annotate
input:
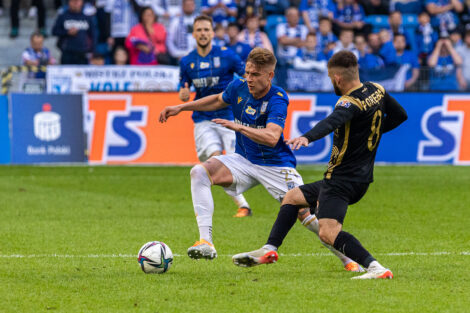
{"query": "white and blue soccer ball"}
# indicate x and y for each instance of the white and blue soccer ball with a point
(155, 257)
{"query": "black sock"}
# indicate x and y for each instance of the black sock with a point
(352, 248)
(284, 222)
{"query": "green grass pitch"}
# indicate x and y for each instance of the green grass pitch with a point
(69, 238)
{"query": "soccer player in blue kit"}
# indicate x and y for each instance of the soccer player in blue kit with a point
(261, 155)
(210, 69)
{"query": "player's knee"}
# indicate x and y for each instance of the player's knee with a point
(199, 174)
(290, 197)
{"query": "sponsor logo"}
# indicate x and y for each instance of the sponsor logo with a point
(447, 132)
(250, 110)
(114, 128)
(47, 124)
(303, 115)
(280, 94)
(204, 65)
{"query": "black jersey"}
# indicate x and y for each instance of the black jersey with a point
(359, 119)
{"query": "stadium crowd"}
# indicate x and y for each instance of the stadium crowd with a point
(432, 37)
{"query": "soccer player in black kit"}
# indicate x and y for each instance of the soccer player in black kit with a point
(363, 113)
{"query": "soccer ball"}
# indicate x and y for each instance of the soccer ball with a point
(155, 257)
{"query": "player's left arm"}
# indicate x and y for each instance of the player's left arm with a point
(395, 114)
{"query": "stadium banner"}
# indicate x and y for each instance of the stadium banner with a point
(66, 79)
(392, 78)
(4, 131)
(123, 128)
(47, 129)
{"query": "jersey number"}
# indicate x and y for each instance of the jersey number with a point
(375, 131)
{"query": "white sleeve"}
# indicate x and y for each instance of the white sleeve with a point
(281, 30)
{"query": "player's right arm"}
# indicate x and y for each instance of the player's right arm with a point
(209, 103)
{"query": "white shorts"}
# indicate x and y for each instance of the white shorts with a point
(211, 137)
(276, 180)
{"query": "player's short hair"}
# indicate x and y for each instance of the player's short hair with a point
(262, 57)
(204, 18)
(346, 62)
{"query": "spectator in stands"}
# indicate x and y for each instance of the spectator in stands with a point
(366, 60)
(97, 59)
(444, 14)
(123, 15)
(37, 54)
(326, 38)
(240, 48)
(76, 34)
(146, 41)
(253, 36)
(313, 10)
(180, 33)
(425, 37)
(464, 52)
(407, 6)
(395, 21)
(310, 56)
(15, 21)
(120, 57)
(220, 37)
(406, 57)
(465, 15)
(290, 36)
(345, 42)
(375, 7)
(350, 15)
(455, 37)
(247, 8)
(221, 11)
(382, 47)
(444, 62)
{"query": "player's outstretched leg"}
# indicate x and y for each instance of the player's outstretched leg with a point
(204, 209)
(350, 246)
(243, 206)
(265, 255)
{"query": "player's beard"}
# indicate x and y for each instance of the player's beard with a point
(336, 88)
(204, 46)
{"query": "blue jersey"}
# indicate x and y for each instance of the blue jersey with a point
(210, 75)
(257, 113)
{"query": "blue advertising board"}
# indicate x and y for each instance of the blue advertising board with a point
(437, 129)
(46, 129)
(4, 131)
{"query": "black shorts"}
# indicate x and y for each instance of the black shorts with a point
(333, 197)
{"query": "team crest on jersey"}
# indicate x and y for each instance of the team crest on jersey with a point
(239, 100)
(263, 108)
(217, 62)
(344, 103)
(250, 110)
(192, 66)
(204, 65)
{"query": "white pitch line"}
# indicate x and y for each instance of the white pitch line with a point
(125, 256)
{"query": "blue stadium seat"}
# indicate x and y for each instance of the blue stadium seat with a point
(410, 21)
(377, 21)
(271, 23)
